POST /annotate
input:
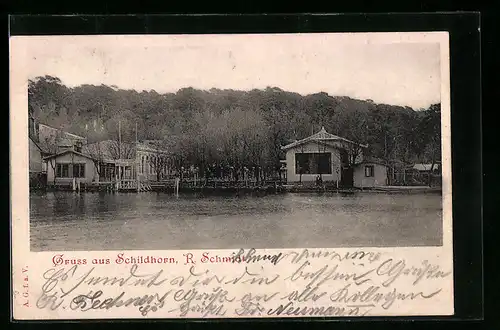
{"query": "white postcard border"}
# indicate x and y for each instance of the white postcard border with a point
(28, 267)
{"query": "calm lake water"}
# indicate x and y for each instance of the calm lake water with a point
(96, 221)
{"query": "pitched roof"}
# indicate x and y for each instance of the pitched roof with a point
(66, 134)
(36, 143)
(108, 149)
(372, 160)
(68, 151)
(48, 134)
(321, 136)
(151, 145)
(425, 167)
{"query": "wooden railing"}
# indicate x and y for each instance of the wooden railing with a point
(217, 183)
(127, 184)
(143, 186)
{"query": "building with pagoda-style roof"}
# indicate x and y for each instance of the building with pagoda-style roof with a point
(333, 159)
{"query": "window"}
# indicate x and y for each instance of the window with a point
(313, 163)
(369, 171)
(78, 170)
(62, 170)
(128, 172)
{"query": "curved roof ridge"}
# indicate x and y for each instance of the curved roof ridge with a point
(322, 135)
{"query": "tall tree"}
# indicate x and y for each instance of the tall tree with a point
(430, 127)
(238, 128)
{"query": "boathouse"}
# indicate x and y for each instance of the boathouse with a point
(70, 169)
(335, 160)
(46, 141)
(141, 160)
(67, 165)
(107, 164)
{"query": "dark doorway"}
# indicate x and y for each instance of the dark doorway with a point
(347, 177)
(347, 173)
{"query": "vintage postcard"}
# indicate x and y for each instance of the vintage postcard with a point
(231, 176)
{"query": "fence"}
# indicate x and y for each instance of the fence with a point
(218, 182)
(126, 184)
(409, 177)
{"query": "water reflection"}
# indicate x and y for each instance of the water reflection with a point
(100, 221)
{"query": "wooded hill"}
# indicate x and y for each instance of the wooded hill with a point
(235, 127)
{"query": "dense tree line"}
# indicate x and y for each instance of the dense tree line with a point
(235, 128)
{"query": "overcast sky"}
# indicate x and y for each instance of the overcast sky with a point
(402, 73)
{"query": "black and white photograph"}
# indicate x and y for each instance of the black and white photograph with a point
(177, 142)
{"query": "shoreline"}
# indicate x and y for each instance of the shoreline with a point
(263, 190)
